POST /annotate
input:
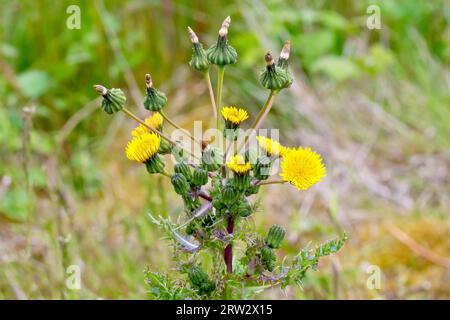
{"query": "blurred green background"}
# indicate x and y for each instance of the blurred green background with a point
(374, 103)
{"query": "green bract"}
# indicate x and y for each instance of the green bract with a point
(275, 236)
(221, 53)
(199, 60)
(154, 100)
(184, 169)
(268, 258)
(180, 184)
(113, 101)
(155, 164)
(200, 177)
(273, 77)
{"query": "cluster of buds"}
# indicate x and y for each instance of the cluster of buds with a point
(216, 191)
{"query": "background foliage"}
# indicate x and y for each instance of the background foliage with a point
(375, 103)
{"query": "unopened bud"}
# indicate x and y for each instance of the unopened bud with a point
(148, 80)
(285, 52)
(269, 59)
(192, 35)
(100, 89)
(225, 25)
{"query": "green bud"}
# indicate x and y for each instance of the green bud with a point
(232, 133)
(200, 281)
(252, 190)
(222, 53)
(275, 236)
(113, 99)
(155, 164)
(200, 177)
(165, 147)
(180, 184)
(244, 208)
(191, 228)
(283, 62)
(191, 203)
(199, 61)
(273, 78)
(184, 169)
(251, 156)
(154, 100)
(211, 159)
(268, 258)
(262, 168)
(229, 194)
(241, 181)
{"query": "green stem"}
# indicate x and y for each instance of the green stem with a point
(137, 119)
(211, 93)
(264, 111)
(173, 124)
(259, 118)
(220, 74)
(270, 182)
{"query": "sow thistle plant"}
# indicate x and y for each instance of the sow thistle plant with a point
(216, 250)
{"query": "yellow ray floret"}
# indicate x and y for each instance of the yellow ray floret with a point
(302, 168)
(272, 147)
(238, 165)
(234, 115)
(154, 121)
(143, 147)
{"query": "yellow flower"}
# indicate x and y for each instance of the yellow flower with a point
(272, 147)
(154, 121)
(143, 147)
(234, 115)
(238, 165)
(302, 168)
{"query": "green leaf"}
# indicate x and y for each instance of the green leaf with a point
(34, 83)
(335, 67)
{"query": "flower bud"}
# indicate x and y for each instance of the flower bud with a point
(268, 258)
(155, 164)
(180, 184)
(191, 203)
(283, 62)
(200, 177)
(273, 78)
(275, 236)
(200, 281)
(222, 53)
(211, 159)
(229, 195)
(165, 147)
(154, 100)
(113, 99)
(262, 168)
(244, 208)
(199, 61)
(252, 190)
(184, 169)
(241, 181)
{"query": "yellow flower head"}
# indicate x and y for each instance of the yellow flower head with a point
(302, 168)
(143, 147)
(234, 115)
(154, 121)
(272, 147)
(238, 165)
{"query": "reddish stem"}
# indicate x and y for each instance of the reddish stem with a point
(228, 252)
